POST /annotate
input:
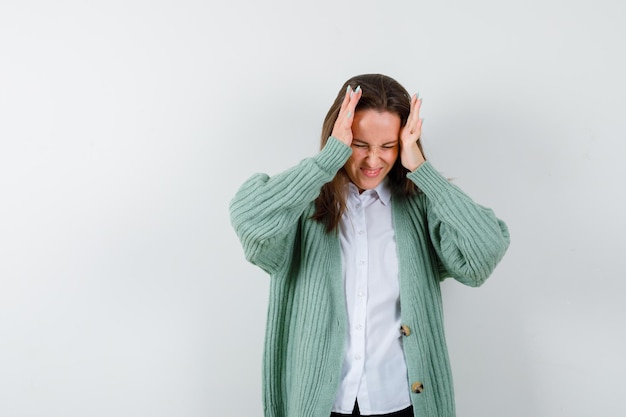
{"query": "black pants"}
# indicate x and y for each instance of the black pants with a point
(407, 412)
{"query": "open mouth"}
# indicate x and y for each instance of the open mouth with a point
(371, 172)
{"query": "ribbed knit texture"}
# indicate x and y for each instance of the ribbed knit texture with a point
(439, 233)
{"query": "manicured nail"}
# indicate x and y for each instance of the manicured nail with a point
(348, 90)
(358, 88)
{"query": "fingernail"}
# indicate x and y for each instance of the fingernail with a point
(348, 89)
(358, 88)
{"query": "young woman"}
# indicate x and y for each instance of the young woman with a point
(356, 240)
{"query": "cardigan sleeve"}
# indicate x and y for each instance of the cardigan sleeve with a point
(468, 238)
(265, 210)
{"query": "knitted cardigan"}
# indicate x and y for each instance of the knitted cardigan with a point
(439, 233)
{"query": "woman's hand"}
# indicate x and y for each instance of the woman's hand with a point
(410, 154)
(342, 129)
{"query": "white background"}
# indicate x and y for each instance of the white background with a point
(127, 126)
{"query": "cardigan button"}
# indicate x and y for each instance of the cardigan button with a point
(405, 330)
(417, 387)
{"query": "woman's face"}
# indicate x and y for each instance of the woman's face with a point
(374, 147)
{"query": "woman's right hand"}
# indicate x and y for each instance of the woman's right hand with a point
(342, 129)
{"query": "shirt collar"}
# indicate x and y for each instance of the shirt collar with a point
(382, 191)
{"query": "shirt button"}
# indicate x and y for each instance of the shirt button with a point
(361, 293)
(357, 357)
(417, 387)
(359, 327)
(361, 263)
(358, 206)
(361, 232)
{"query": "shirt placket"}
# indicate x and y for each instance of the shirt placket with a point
(361, 287)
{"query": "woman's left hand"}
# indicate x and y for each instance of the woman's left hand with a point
(410, 154)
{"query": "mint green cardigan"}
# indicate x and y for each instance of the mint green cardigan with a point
(439, 233)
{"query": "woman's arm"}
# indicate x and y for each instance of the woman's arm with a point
(265, 210)
(468, 238)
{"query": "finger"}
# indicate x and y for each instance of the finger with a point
(411, 120)
(418, 106)
(418, 120)
(355, 96)
(346, 99)
(415, 114)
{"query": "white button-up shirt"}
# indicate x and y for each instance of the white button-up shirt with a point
(374, 370)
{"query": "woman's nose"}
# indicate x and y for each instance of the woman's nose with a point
(372, 150)
(372, 154)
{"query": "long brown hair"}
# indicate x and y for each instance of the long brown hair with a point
(380, 93)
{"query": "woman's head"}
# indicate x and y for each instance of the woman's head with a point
(381, 96)
(380, 93)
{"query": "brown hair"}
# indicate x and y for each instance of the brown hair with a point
(380, 93)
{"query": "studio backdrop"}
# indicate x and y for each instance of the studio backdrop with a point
(126, 128)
